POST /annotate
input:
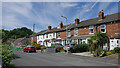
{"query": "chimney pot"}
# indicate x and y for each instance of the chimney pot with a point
(49, 27)
(76, 21)
(61, 24)
(101, 14)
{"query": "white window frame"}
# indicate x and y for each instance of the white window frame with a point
(58, 34)
(103, 28)
(76, 29)
(46, 35)
(91, 27)
(68, 33)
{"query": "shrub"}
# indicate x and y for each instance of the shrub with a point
(52, 46)
(108, 53)
(119, 56)
(112, 51)
(79, 48)
(101, 52)
(117, 49)
(62, 50)
(57, 50)
(42, 47)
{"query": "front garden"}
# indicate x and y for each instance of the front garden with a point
(95, 46)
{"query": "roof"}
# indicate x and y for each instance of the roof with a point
(18, 40)
(94, 21)
(97, 21)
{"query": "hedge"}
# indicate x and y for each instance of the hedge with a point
(79, 48)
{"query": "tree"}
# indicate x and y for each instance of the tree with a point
(98, 40)
(16, 33)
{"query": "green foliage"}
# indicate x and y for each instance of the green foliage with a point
(108, 53)
(79, 48)
(101, 52)
(98, 39)
(62, 50)
(57, 50)
(119, 56)
(15, 33)
(7, 55)
(117, 49)
(112, 51)
(52, 46)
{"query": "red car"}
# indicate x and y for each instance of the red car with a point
(29, 49)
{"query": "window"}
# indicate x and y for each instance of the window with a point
(76, 31)
(53, 34)
(68, 33)
(103, 28)
(58, 34)
(46, 35)
(91, 30)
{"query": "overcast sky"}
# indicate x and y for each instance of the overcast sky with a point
(44, 14)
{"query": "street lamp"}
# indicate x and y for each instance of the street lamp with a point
(66, 25)
(66, 31)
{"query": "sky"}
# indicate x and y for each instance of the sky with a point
(44, 14)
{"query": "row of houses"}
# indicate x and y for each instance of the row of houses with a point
(80, 31)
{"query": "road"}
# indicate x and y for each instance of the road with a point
(50, 59)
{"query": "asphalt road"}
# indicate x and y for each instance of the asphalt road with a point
(49, 59)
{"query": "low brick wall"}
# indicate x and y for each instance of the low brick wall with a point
(52, 50)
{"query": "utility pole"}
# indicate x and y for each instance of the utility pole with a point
(33, 32)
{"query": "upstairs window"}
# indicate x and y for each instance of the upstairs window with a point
(76, 31)
(91, 29)
(46, 35)
(68, 33)
(103, 28)
(58, 34)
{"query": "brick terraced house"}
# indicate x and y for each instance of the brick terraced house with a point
(79, 32)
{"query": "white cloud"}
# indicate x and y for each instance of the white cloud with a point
(66, 5)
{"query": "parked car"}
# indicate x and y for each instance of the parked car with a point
(29, 49)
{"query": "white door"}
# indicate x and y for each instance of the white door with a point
(114, 43)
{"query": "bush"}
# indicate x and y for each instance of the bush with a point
(119, 56)
(101, 52)
(108, 53)
(112, 51)
(52, 46)
(62, 50)
(79, 48)
(117, 49)
(57, 50)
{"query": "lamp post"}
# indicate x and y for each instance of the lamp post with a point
(66, 31)
(66, 26)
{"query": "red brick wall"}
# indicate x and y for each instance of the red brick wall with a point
(111, 29)
(63, 35)
(83, 31)
(72, 32)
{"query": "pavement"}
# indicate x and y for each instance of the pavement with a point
(59, 59)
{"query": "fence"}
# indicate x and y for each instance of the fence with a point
(16, 48)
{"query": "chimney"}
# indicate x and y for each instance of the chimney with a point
(49, 27)
(101, 14)
(61, 24)
(76, 21)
